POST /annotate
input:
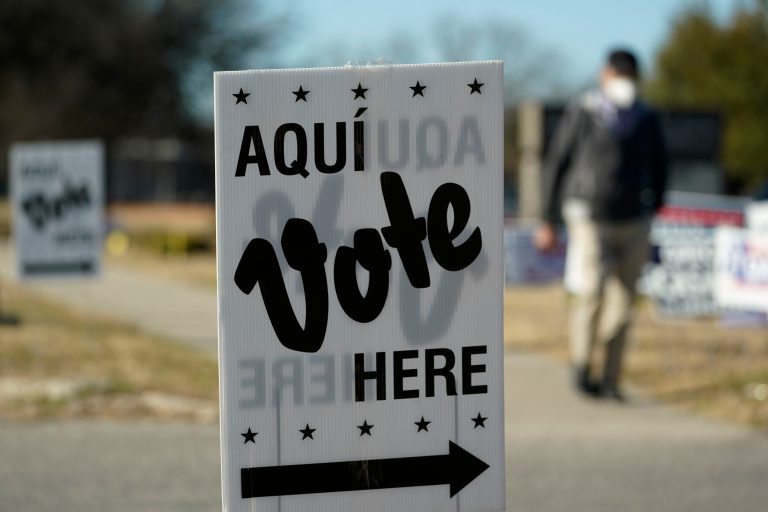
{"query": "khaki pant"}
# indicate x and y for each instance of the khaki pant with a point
(608, 259)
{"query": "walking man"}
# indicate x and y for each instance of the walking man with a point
(605, 173)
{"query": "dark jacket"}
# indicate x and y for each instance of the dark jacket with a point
(614, 160)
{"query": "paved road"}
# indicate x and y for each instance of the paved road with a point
(563, 453)
(108, 467)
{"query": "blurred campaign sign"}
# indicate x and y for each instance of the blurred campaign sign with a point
(525, 264)
(359, 243)
(737, 285)
(680, 278)
(741, 268)
(57, 191)
(757, 216)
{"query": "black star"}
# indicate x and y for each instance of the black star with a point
(359, 91)
(479, 421)
(418, 89)
(307, 432)
(301, 94)
(422, 424)
(250, 436)
(241, 96)
(475, 87)
(365, 428)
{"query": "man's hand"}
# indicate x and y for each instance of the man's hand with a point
(545, 238)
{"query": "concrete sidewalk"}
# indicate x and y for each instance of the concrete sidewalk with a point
(563, 452)
(160, 306)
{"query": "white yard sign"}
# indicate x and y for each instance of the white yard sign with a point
(359, 221)
(741, 268)
(57, 191)
(757, 216)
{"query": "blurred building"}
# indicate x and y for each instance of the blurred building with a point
(693, 141)
(159, 170)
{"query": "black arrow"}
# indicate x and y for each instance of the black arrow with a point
(456, 469)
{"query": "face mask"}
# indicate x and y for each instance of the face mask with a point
(620, 91)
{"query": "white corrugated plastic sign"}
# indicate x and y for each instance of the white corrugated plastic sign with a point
(57, 196)
(359, 240)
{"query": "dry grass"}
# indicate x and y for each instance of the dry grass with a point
(162, 240)
(697, 365)
(60, 363)
(5, 218)
(186, 217)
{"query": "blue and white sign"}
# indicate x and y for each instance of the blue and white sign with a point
(524, 264)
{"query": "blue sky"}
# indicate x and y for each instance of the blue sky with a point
(579, 31)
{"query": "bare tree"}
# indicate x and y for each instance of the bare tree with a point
(530, 69)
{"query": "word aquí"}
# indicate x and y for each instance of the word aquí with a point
(42, 210)
(433, 146)
(306, 254)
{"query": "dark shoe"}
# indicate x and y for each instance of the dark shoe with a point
(584, 385)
